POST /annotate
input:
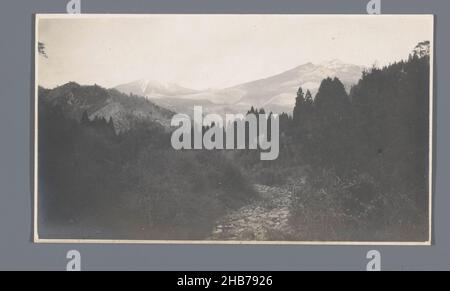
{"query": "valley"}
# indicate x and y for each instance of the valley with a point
(264, 219)
(275, 93)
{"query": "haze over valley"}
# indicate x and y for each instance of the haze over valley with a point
(276, 93)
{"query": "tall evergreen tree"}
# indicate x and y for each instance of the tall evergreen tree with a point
(332, 101)
(299, 104)
(308, 100)
(85, 118)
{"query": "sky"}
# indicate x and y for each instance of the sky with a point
(215, 51)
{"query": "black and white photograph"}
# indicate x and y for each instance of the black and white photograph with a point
(233, 129)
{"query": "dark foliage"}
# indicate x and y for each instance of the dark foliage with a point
(368, 156)
(357, 163)
(95, 183)
(364, 156)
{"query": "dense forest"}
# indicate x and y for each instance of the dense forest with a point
(364, 154)
(356, 162)
(96, 183)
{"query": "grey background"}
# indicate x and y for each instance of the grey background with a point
(17, 252)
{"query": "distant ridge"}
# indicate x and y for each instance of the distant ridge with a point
(276, 93)
(73, 99)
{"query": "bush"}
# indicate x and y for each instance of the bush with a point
(354, 209)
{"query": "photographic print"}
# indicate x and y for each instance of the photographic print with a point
(233, 129)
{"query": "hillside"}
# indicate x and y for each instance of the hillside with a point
(73, 99)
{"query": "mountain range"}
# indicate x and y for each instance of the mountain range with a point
(275, 93)
(157, 102)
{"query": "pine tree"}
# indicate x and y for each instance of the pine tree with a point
(85, 118)
(331, 100)
(308, 99)
(299, 104)
(111, 129)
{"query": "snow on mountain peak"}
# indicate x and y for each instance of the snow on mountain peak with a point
(148, 83)
(153, 88)
(334, 63)
(276, 93)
